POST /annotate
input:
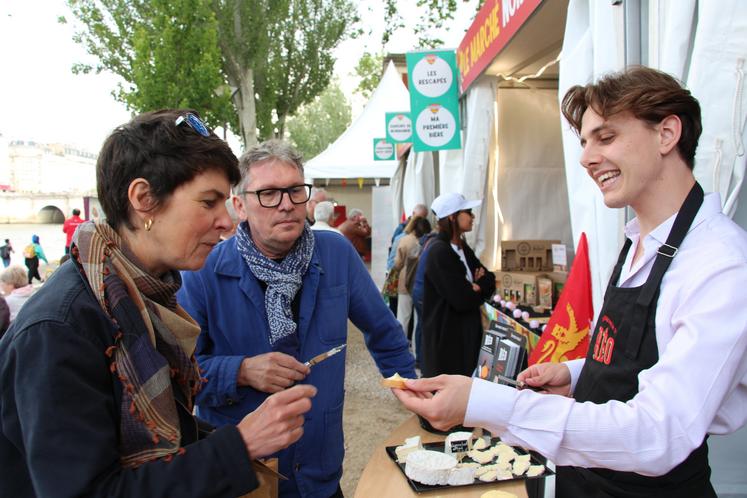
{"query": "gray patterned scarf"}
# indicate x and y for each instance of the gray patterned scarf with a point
(283, 278)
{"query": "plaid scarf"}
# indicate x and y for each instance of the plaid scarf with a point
(153, 344)
(283, 278)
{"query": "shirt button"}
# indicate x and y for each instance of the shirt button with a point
(229, 402)
(297, 467)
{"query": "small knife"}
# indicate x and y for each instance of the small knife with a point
(518, 384)
(321, 357)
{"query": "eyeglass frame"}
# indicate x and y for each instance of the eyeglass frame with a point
(282, 191)
(194, 122)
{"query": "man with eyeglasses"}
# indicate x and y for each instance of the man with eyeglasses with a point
(274, 296)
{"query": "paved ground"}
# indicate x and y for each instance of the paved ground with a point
(371, 412)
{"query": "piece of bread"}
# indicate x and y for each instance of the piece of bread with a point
(394, 382)
(497, 494)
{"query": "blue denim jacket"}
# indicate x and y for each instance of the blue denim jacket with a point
(228, 302)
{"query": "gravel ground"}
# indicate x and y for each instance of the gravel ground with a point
(371, 411)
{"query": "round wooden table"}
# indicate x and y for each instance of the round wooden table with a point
(383, 478)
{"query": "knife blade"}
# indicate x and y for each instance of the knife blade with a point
(321, 357)
(518, 384)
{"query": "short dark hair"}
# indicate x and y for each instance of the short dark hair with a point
(76, 212)
(650, 95)
(153, 147)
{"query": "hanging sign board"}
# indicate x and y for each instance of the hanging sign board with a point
(383, 151)
(494, 26)
(434, 100)
(398, 127)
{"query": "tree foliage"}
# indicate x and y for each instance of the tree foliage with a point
(165, 51)
(266, 57)
(434, 16)
(320, 122)
(369, 70)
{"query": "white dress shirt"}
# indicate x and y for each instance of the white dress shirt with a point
(698, 386)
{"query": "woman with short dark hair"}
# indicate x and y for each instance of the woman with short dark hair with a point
(98, 370)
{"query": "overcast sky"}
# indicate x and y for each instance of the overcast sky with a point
(41, 100)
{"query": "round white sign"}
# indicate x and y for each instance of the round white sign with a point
(384, 150)
(435, 125)
(432, 76)
(400, 128)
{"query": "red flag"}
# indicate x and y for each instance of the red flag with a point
(566, 336)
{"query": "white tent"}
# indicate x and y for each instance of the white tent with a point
(701, 43)
(351, 155)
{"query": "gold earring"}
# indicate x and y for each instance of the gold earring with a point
(148, 224)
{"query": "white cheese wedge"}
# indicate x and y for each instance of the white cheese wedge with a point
(429, 467)
(411, 444)
(483, 469)
(458, 444)
(521, 464)
(535, 470)
(488, 476)
(479, 444)
(461, 475)
(481, 456)
(504, 452)
(503, 474)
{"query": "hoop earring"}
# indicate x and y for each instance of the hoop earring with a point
(148, 224)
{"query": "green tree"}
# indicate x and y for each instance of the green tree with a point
(267, 57)
(320, 122)
(434, 16)
(165, 51)
(369, 70)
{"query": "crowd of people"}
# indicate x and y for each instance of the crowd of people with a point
(171, 351)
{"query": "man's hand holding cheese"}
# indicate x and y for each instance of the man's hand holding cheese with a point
(441, 400)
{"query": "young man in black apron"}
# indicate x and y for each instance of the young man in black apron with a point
(665, 363)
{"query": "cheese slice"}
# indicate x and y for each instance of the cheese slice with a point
(479, 444)
(488, 476)
(521, 464)
(535, 470)
(394, 382)
(411, 444)
(481, 456)
(429, 467)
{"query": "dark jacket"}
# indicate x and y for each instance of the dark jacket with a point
(452, 329)
(59, 412)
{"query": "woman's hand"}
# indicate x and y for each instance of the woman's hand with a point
(479, 273)
(271, 372)
(278, 422)
(554, 378)
(441, 400)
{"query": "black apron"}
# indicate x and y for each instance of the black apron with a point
(624, 344)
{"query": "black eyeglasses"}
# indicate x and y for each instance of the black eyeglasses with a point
(194, 122)
(272, 197)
